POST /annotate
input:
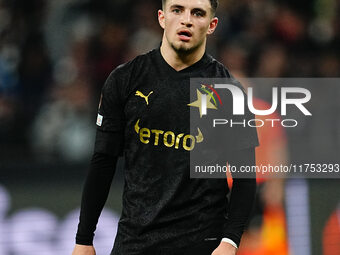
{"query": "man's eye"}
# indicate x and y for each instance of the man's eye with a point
(198, 14)
(176, 10)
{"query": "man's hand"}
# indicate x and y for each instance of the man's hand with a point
(225, 249)
(83, 250)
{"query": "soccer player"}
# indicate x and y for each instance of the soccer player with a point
(144, 114)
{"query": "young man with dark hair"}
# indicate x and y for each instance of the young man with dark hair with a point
(144, 106)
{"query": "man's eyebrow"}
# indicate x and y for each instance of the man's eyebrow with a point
(176, 6)
(200, 10)
(193, 10)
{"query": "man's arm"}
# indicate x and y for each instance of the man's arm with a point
(241, 201)
(108, 147)
(95, 193)
(96, 189)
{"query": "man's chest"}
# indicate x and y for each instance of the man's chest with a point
(158, 115)
(160, 103)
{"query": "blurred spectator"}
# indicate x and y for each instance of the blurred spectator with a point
(35, 74)
(9, 92)
(235, 58)
(147, 33)
(329, 65)
(289, 27)
(272, 62)
(107, 52)
(64, 127)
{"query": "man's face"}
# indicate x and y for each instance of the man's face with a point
(186, 23)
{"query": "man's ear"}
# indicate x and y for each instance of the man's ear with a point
(161, 18)
(212, 25)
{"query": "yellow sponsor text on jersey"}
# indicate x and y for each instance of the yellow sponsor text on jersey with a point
(168, 138)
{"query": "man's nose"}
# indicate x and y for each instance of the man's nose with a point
(186, 19)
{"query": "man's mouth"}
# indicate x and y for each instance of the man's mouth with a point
(184, 35)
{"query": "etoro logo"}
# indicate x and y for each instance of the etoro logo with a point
(204, 96)
(168, 138)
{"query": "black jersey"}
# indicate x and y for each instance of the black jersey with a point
(146, 101)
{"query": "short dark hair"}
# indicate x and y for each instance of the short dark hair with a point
(213, 3)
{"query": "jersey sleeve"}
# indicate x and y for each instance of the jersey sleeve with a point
(110, 118)
(242, 196)
(95, 193)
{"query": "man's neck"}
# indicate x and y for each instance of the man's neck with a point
(180, 61)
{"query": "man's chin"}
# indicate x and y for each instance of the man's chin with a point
(183, 48)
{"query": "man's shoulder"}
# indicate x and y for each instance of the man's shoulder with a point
(131, 67)
(221, 70)
(121, 78)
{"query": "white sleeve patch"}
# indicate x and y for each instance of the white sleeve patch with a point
(99, 120)
(227, 240)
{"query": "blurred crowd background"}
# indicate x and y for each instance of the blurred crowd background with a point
(55, 56)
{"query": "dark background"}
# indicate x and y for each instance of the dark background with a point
(56, 55)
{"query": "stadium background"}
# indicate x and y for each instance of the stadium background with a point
(54, 58)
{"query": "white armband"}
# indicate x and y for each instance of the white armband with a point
(227, 240)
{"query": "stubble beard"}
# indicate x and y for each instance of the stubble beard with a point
(185, 50)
